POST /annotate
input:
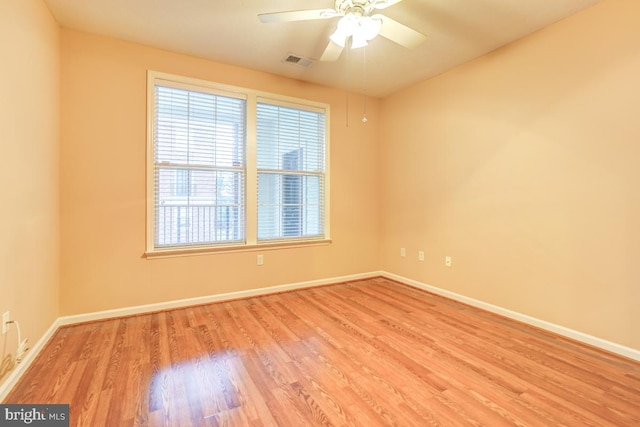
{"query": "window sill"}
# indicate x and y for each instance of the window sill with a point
(209, 250)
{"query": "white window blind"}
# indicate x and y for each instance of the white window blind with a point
(199, 168)
(291, 173)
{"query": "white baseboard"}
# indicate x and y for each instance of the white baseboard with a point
(21, 368)
(149, 308)
(609, 346)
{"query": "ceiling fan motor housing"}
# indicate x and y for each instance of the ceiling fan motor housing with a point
(358, 8)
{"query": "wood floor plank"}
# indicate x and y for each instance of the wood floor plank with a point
(364, 353)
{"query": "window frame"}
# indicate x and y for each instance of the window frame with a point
(252, 98)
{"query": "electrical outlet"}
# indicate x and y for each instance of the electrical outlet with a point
(447, 261)
(260, 259)
(421, 256)
(403, 252)
(6, 317)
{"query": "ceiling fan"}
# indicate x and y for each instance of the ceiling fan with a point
(358, 23)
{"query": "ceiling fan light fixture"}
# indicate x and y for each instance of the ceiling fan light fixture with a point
(369, 27)
(346, 27)
(361, 29)
(339, 37)
(358, 41)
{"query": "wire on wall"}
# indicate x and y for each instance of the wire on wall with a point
(8, 362)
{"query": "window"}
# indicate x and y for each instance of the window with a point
(230, 167)
(199, 168)
(290, 172)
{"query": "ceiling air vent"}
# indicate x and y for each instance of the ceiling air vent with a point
(297, 60)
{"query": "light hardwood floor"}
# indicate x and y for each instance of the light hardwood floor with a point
(364, 353)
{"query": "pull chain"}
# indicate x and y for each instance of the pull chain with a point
(348, 84)
(364, 84)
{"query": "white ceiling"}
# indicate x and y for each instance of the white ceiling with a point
(229, 31)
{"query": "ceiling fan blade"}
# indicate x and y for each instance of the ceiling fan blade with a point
(400, 33)
(383, 4)
(297, 15)
(332, 52)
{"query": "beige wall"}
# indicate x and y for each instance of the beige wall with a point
(524, 167)
(29, 134)
(103, 185)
